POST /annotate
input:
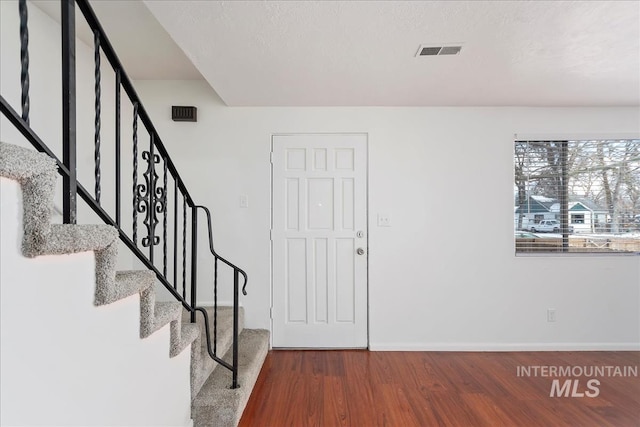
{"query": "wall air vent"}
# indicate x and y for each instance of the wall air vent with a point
(184, 114)
(438, 50)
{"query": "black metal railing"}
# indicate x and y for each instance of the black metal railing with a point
(156, 184)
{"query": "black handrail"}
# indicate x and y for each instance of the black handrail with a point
(236, 270)
(215, 254)
(150, 196)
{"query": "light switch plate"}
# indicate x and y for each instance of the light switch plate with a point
(244, 201)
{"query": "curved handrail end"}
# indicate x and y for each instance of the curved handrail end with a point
(213, 252)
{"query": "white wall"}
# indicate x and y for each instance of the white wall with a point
(66, 362)
(438, 278)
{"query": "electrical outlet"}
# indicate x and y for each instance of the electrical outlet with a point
(384, 220)
(551, 315)
(244, 201)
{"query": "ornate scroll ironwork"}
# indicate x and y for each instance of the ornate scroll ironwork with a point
(150, 200)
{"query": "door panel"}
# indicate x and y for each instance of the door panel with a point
(296, 281)
(319, 206)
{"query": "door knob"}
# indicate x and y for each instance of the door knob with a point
(360, 251)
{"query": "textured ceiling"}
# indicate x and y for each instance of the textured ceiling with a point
(362, 53)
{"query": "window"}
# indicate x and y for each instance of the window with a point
(577, 218)
(577, 196)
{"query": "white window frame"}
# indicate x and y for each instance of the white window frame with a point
(565, 248)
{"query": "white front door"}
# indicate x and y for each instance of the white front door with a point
(319, 241)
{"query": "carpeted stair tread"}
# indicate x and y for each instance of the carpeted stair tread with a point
(166, 312)
(154, 315)
(225, 326)
(202, 370)
(147, 312)
(37, 174)
(127, 283)
(218, 405)
(189, 333)
(206, 365)
(73, 238)
(20, 163)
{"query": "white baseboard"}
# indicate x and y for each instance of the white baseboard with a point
(189, 423)
(504, 347)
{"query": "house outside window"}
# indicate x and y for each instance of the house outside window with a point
(578, 195)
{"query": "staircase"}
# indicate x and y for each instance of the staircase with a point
(145, 209)
(213, 402)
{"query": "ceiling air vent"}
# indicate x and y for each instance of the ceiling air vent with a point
(430, 51)
(438, 50)
(450, 50)
(184, 114)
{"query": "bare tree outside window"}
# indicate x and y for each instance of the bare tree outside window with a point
(578, 196)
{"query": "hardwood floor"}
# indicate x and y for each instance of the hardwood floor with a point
(362, 388)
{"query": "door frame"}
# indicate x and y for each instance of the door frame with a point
(366, 207)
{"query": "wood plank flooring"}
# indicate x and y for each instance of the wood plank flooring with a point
(362, 388)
